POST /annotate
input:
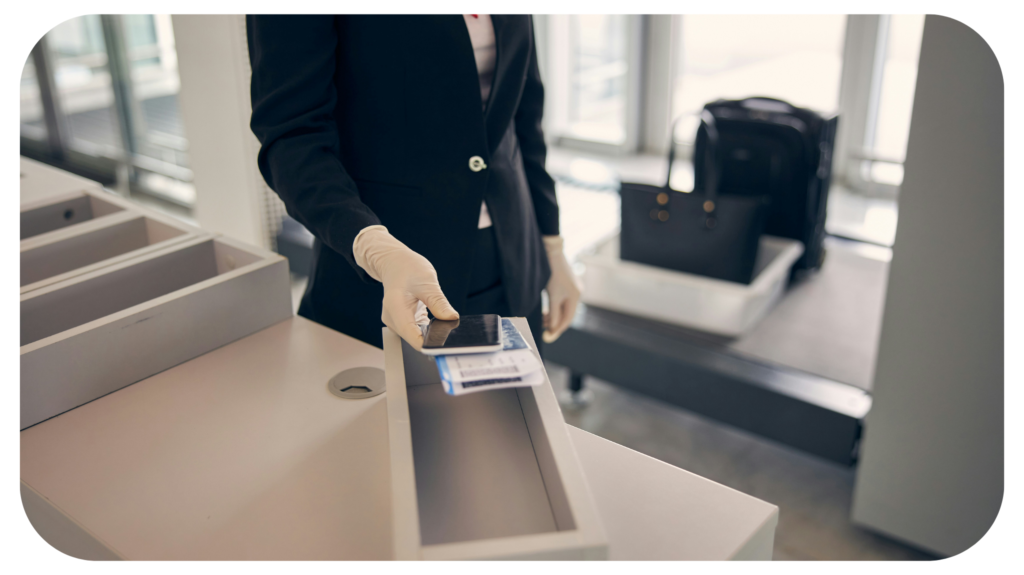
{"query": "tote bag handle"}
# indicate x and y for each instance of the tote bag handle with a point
(710, 191)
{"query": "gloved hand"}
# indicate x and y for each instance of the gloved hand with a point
(563, 291)
(409, 283)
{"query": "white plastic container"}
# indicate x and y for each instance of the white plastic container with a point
(97, 332)
(693, 301)
(55, 213)
(75, 250)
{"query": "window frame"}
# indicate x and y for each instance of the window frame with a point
(557, 58)
(652, 50)
(864, 56)
(653, 45)
(123, 166)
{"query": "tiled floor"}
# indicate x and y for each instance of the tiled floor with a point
(813, 495)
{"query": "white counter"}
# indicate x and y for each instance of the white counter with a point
(243, 453)
(39, 181)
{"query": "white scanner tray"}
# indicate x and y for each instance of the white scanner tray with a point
(703, 303)
(97, 332)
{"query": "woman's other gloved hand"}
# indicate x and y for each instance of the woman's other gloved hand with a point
(410, 281)
(563, 291)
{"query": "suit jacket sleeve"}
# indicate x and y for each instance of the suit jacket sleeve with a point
(534, 151)
(293, 100)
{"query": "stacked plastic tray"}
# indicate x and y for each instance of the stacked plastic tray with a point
(112, 293)
(707, 304)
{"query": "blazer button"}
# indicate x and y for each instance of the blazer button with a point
(476, 163)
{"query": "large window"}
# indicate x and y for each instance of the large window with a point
(33, 125)
(616, 83)
(888, 139)
(594, 78)
(793, 58)
(84, 90)
(597, 108)
(99, 96)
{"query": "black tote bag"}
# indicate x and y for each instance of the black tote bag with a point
(702, 232)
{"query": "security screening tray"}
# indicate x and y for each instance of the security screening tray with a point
(92, 334)
(703, 303)
(57, 212)
(490, 475)
(79, 249)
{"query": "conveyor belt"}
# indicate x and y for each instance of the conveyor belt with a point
(801, 377)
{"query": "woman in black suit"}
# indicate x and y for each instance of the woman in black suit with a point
(411, 147)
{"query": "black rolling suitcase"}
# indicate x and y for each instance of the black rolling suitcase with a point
(768, 146)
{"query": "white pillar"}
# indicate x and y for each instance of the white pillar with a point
(214, 68)
(931, 471)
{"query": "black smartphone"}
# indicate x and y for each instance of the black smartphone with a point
(468, 334)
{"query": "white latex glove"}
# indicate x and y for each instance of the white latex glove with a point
(563, 291)
(409, 283)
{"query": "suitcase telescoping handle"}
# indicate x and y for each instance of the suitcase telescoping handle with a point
(710, 191)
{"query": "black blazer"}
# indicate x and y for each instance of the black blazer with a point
(373, 120)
